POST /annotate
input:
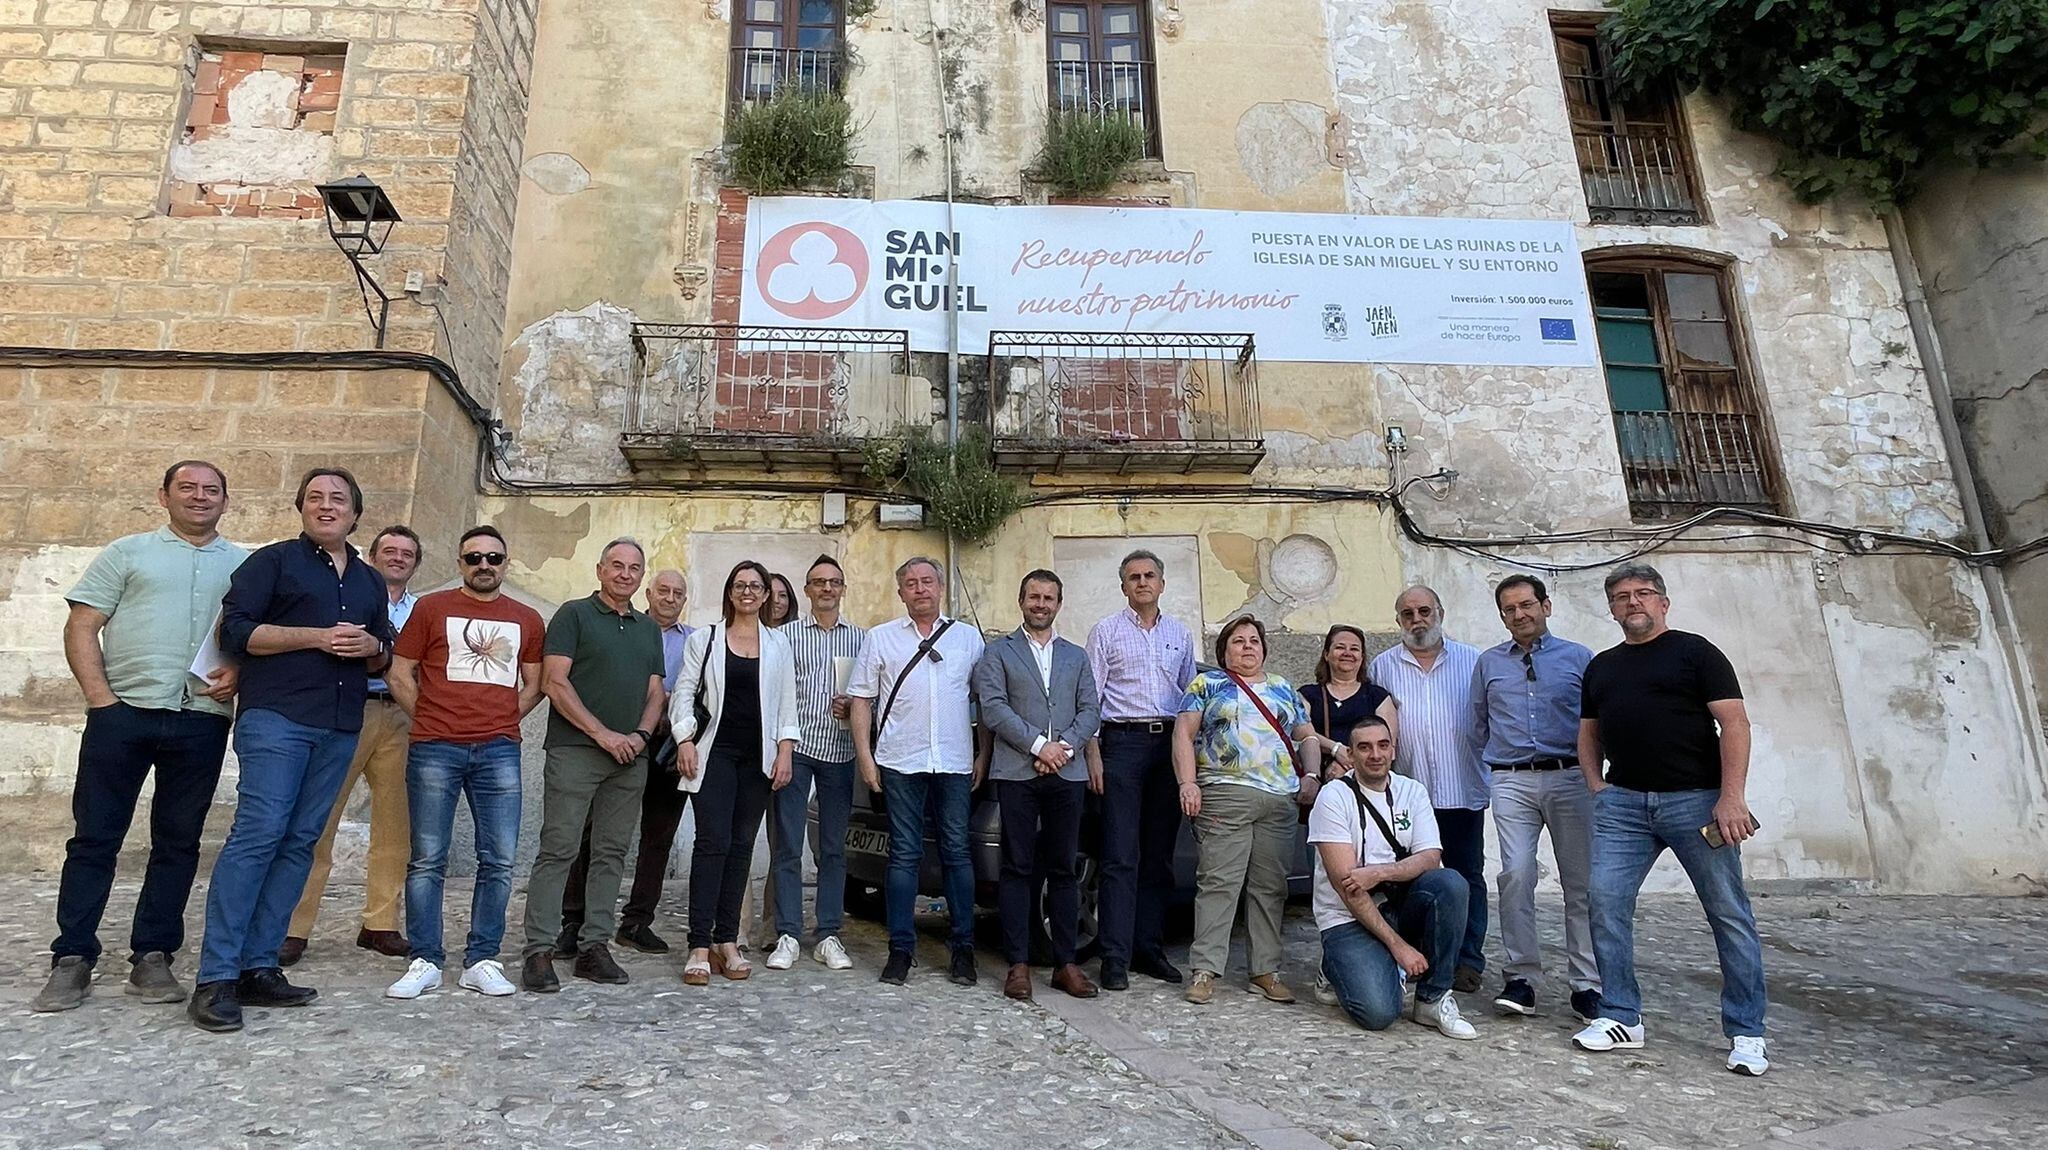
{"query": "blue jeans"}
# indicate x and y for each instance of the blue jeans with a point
(290, 776)
(906, 795)
(435, 773)
(786, 847)
(1362, 970)
(1464, 837)
(1630, 829)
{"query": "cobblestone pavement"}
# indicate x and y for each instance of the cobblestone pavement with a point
(1897, 1024)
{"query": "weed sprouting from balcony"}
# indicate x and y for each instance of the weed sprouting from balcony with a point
(1085, 152)
(799, 138)
(960, 487)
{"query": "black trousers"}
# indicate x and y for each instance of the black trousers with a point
(661, 812)
(1140, 828)
(1041, 837)
(730, 806)
(120, 747)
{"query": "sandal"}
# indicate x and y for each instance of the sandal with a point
(735, 968)
(697, 972)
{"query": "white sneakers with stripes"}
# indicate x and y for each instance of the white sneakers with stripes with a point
(1607, 1034)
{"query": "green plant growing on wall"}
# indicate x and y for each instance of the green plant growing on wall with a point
(857, 10)
(799, 138)
(960, 487)
(1864, 96)
(1084, 154)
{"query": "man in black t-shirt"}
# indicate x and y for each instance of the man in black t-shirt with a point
(1664, 711)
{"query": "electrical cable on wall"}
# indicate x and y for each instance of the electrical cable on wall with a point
(1637, 540)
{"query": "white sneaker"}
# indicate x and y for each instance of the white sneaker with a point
(1607, 1034)
(832, 954)
(421, 977)
(787, 950)
(1443, 1015)
(487, 977)
(1748, 1057)
(1325, 993)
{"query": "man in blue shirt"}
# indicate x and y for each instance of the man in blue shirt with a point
(1525, 726)
(308, 620)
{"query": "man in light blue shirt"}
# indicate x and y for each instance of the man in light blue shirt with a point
(1525, 726)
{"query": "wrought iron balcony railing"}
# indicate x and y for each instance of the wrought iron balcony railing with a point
(727, 394)
(1635, 177)
(1679, 462)
(761, 74)
(1104, 89)
(1124, 402)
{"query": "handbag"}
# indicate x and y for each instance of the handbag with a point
(1392, 893)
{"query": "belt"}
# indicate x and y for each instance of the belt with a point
(1149, 726)
(1563, 764)
(382, 696)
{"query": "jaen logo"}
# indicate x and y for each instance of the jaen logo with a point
(812, 271)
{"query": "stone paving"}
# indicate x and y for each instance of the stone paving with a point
(1897, 1024)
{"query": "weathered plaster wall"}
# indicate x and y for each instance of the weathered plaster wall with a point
(1981, 238)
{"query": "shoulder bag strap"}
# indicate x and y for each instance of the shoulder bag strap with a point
(910, 665)
(1285, 739)
(1366, 808)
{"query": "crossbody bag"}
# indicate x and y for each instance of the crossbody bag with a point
(889, 704)
(1392, 893)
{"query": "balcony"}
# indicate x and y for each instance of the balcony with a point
(1124, 403)
(761, 74)
(1677, 463)
(1102, 89)
(1635, 178)
(767, 398)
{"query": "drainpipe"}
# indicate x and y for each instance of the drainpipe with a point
(952, 291)
(1928, 343)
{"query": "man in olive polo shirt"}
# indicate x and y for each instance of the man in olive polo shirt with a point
(601, 669)
(139, 616)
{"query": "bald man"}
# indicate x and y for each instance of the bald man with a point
(661, 810)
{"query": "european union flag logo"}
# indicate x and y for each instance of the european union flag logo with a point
(1558, 329)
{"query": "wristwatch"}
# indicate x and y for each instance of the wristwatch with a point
(645, 736)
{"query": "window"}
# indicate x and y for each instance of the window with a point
(258, 132)
(1633, 155)
(1099, 63)
(1686, 413)
(783, 44)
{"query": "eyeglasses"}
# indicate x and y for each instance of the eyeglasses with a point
(749, 589)
(483, 558)
(824, 582)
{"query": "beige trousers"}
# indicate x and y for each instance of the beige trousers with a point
(1245, 839)
(380, 760)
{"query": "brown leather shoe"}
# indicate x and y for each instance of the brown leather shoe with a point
(291, 952)
(388, 942)
(1274, 989)
(1017, 984)
(1074, 981)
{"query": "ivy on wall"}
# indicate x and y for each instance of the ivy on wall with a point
(1864, 95)
(960, 487)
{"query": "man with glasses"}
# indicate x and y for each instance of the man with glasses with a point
(913, 682)
(466, 669)
(825, 647)
(661, 805)
(1664, 711)
(1525, 720)
(601, 669)
(1431, 677)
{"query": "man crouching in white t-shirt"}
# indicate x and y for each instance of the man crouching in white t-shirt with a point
(1387, 909)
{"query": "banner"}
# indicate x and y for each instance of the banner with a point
(1306, 286)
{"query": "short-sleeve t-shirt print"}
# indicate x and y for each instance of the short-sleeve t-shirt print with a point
(469, 652)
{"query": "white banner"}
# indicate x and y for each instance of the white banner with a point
(1306, 286)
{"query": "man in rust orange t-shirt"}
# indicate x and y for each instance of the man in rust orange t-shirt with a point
(467, 668)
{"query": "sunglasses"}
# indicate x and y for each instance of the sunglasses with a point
(483, 558)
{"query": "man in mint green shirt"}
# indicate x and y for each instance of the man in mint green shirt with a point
(139, 616)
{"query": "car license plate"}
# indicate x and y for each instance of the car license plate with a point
(862, 841)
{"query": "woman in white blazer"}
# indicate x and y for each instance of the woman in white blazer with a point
(744, 675)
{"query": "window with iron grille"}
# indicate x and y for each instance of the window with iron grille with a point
(1634, 158)
(1099, 63)
(785, 45)
(1686, 412)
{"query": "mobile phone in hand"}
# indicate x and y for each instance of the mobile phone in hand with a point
(1712, 832)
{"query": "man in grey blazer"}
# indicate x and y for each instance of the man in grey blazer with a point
(1039, 707)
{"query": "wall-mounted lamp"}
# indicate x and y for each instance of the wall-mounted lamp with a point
(356, 211)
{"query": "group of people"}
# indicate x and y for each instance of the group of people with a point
(326, 668)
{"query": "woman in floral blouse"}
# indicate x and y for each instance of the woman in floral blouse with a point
(1246, 759)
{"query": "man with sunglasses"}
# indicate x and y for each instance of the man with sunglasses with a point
(467, 669)
(1525, 722)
